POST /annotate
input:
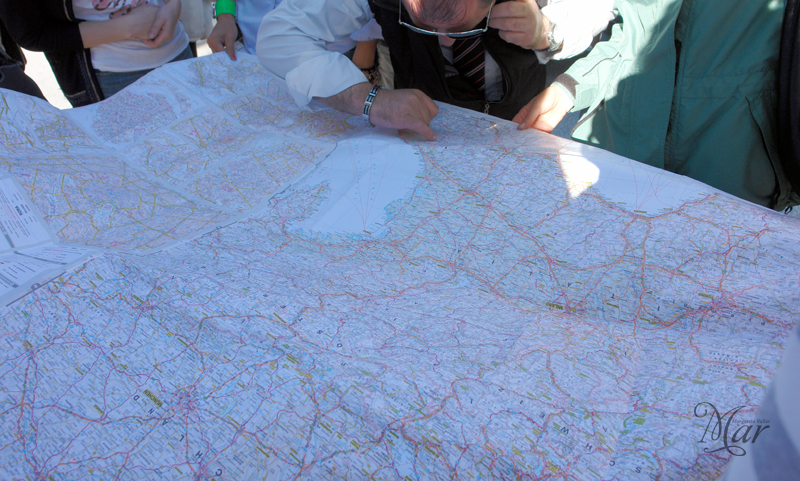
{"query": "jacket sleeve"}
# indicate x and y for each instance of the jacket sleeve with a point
(588, 79)
(37, 25)
(636, 45)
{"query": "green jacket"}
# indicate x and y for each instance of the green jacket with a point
(689, 86)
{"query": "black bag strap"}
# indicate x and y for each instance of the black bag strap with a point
(789, 94)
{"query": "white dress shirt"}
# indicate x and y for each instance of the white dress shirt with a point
(292, 40)
(579, 21)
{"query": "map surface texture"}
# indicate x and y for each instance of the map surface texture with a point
(285, 294)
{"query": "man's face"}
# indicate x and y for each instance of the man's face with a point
(470, 14)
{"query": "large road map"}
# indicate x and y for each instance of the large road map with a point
(285, 293)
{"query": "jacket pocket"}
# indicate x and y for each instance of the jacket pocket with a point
(79, 99)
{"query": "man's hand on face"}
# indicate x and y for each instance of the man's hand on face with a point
(521, 22)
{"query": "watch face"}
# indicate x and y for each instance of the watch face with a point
(554, 37)
(557, 34)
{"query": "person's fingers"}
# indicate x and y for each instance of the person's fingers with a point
(523, 32)
(430, 106)
(230, 47)
(156, 28)
(421, 128)
(518, 22)
(160, 38)
(545, 111)
(548, 120)
(521, 114)
(522, 39)
(405, 109)
(511, 24)
(508, 9)
(214, 44)
(535, 108)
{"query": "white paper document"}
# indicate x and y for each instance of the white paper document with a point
(30, 253)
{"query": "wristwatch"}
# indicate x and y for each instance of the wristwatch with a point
(554, 37)
(224, 6)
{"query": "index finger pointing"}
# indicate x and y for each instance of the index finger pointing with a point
(422, 128)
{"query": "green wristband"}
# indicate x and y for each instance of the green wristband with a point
(224, 6)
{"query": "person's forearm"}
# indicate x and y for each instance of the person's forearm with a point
(364, 54)
(104, 31)
(136, 23)
(350, 100)
(174, 5)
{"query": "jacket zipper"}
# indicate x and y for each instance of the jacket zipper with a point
(486, 104)
(85, 65)
(503, 78)
(589, 115)
(87, 60)
(586, 117)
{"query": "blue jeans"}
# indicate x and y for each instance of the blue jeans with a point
(113, 82)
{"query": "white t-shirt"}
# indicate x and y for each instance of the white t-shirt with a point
(127, 55)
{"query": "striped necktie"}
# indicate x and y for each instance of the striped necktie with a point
(469, 60)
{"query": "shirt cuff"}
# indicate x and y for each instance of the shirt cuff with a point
(322, 76)
(543, 56)
(567, 84)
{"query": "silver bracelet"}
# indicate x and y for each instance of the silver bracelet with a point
(368, 103)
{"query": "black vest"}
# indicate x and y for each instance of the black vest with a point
(418, 63)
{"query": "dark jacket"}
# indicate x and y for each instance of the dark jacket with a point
(788, 125)
(11, 47)
(12, 64)
(50, 26)
(418, 63)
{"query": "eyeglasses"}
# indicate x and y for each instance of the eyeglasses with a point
(469, 33)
